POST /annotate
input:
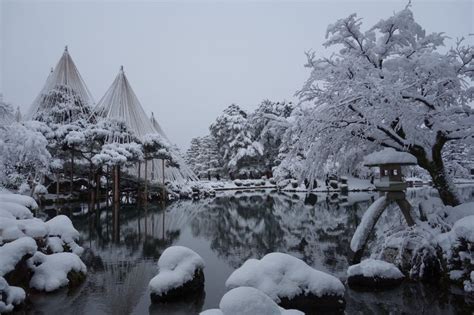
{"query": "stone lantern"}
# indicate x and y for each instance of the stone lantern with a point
(391, 186)
(390, 163)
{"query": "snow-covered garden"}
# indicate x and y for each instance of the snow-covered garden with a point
(362, 189)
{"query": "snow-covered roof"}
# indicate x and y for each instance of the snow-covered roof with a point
(389, 156)
(64, 74)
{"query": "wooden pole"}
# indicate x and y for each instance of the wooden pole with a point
(146, 182)
(163, 173)
(71, 182)
(139, 176)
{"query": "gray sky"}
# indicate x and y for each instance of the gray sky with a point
(187, 60)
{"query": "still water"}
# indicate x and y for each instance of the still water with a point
(121, 251)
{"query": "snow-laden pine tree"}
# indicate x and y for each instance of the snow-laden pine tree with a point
(203, 157)
(390, 86)
(268, 124)
(240, 154)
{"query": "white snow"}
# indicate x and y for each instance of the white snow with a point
(50, 271)
(13, 296)
(375, 268)
(11, 229)
(55, 244)
(366, 223)
(248, 301)
(11, 253)
(17, 210)
(177, 265)
(6, 214)
(23, 200)
(389, 156)
(281, 275)
(456, 213)
(464, 228)
(62, 226)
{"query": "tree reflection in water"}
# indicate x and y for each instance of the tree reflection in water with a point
(227, 230)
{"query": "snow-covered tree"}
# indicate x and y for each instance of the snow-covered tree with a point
(234, 141)
(390, 86)
(62, 105)
(23, 156)
(6, 113)
(268, 124)
(203, 156)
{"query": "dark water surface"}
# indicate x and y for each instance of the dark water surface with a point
(122, 251)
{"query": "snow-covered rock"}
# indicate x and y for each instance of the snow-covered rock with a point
(17, 210)
(61, 227)
(10, 296)
(248, 301)
(290, 282)
(50, 272)
(23, 200)
(11, 229)
(374, 274)
(11, 253)
(180, 272)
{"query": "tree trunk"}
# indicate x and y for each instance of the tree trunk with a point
(437, 171)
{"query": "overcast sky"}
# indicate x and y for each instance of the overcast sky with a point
(187, 60)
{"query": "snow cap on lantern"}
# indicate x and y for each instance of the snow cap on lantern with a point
(390, 162)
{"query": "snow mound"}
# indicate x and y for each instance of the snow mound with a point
(55, 244)
(62, 232)
(10, 296)
(177, 265)
(375, 268)
(389, 156)
(23, 200)
(12, 253)
(17, 210)
(283, 276)
(6, 214)
(464, 228)
(11, 229)
(248, 301)
(50, 271)
(62, 226)
(457, 213)
(367, 223)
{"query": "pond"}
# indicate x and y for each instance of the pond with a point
(122, 251)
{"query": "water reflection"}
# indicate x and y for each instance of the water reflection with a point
(123, 245)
